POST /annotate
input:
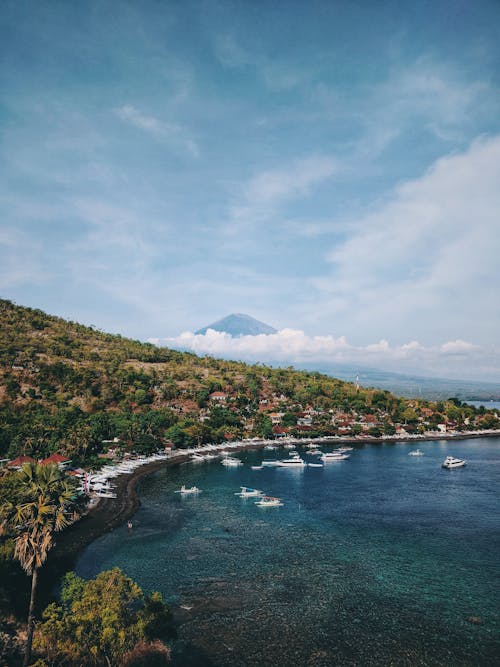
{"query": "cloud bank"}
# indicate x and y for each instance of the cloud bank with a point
(456, 358)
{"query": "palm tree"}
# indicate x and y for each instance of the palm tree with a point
(47, 502)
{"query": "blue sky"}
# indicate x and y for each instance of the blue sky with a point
(331, 168)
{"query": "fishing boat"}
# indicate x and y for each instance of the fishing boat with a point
(269, 501)
(185, 491)
(450, 462)
(247, 492)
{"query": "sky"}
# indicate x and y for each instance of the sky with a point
(330, 168)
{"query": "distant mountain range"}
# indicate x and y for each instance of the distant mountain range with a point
(410, 386)
(239, 324)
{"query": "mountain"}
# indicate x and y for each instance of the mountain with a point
(239, 324)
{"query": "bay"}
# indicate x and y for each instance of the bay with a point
(381, 559)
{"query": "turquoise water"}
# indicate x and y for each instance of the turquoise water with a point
(379, 560)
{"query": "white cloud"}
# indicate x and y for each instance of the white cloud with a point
(294, 346)
(428, 256)
(158, 128)
(269, 190)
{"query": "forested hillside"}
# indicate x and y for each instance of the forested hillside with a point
(66, 387)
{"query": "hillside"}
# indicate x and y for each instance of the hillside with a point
(66, 387)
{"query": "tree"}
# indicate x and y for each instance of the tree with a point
(104, 621)
(46, 502)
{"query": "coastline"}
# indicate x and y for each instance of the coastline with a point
(108, 514)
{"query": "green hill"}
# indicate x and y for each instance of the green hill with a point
(67, 387)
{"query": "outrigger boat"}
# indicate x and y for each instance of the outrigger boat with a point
(269, 501)
(184, 491)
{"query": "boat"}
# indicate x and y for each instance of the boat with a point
(231, 462)
(269, 501)
(184, 491)
(450, 462)
(416, 452)
(293, 462)
(315, 465)
(256, 467)
(197, 458)
(270, 448)
(247, 492)
(315, 452)
(343, 450)
(270, 464)
(105, 494)
(334, 456)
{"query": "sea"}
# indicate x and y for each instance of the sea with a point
(381, 559)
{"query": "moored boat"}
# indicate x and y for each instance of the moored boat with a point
(269, 501)
(416, 452)
(231, 462)
(247, 492)
(334, 456)
(185, 491)
(450, 462)
(292, 462)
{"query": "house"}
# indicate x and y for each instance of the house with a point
(276, 417)
(55, 459)
(218, 396)
(18, 463)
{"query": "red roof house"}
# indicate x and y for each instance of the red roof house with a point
(55, 459)
(20, 461)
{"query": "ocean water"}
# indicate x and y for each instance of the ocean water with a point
(383, 559)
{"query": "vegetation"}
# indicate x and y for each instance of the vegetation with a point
(66, 387)
(41, 501)
(105, 621)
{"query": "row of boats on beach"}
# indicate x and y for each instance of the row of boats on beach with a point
(100, 484)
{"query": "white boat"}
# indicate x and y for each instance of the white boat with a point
(343, 450)
(256, 467)
(247, 492)
(315, 465)
(270, 464)
(416, 452)
(185, 491)
(230, 461)
(315, 452)
(270, 447)
(334, 456)
(269, 501)
(450, 462)
(197, 458)
(105, 494)
(292, 462)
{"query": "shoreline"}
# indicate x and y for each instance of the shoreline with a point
(108, 514)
